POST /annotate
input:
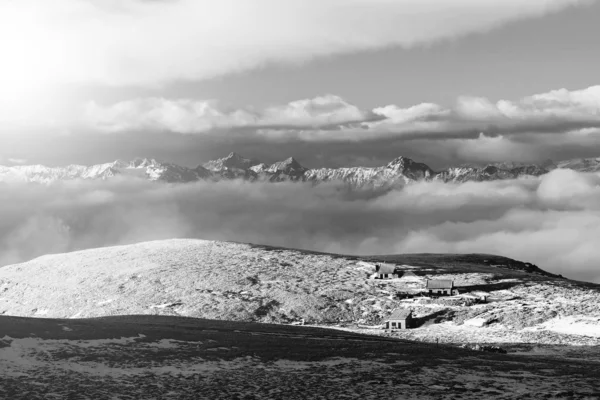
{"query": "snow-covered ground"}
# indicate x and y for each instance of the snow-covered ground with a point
(232, 281)
(574, 325)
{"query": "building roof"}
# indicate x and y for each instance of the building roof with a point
(439, 284)
(400, 313)
(386, 269)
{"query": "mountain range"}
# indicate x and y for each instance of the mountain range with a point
(399, 171)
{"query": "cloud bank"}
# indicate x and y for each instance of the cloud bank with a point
(141, 42)
(196, 116)
(331, 118)
(553, 221)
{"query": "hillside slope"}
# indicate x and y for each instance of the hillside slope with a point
(182, 358)
(231, 281)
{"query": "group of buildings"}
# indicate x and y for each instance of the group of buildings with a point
(403, 318)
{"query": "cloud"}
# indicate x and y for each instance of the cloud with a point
(138, 42)
(181, 116)
(325, 110)
(331, 118)
(196, 116)
(557, 111)
(553, 221)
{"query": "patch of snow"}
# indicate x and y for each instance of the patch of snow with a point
(477, 322)
(165, 305)
(574, 325)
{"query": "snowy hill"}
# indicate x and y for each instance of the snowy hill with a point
(231, 281)
(399, 171)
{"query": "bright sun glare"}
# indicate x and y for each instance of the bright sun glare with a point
(31, 62)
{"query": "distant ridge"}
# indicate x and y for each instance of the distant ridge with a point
(399, 171)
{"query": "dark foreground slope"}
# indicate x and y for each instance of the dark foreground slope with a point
(161, 357)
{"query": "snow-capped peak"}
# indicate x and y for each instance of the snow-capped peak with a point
(262, 167)
(411, 169)
(233, 160)
(400, 162)
(143, 162)
(289, 164)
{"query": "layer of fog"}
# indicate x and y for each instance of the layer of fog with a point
(553, 221)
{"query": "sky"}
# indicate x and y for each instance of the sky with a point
(330, 82)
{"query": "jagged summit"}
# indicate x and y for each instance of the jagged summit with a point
(286, 170)
(233, 160)
(287, 164)
(405, 162)
(140, 162)
(411, 169)
(401, 160)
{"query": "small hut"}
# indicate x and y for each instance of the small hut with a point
(400, 319)
(385, 271)
(440, 286)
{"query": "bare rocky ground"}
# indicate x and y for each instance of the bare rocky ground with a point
(159, 357)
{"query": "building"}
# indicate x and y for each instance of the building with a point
(400, 319)
(384, 271)
(440, 287)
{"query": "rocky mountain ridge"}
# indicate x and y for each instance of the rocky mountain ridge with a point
(399, 171)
